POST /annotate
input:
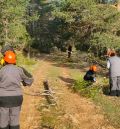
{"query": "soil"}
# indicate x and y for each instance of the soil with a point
(83, 113)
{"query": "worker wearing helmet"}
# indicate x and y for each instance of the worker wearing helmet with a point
(113, 64)
(6, 47)
(11, 78)
(90, 74)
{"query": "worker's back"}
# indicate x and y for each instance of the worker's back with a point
(11, 77)
(114, 66)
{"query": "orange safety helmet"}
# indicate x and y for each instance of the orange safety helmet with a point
(93, 68)
(10, 57)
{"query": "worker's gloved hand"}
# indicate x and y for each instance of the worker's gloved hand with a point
(94, 79)
(24, 84)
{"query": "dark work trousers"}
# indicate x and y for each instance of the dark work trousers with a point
(69, 54)
(9, 117)
(115, 86)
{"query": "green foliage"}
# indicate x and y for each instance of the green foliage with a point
(26, 62)
(81, 84)
(99, 94)
(48, 120)
(86, 89)
(110, 106)
(92, 25)
(86, 23)
(12, 18)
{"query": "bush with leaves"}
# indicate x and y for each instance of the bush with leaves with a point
(93, 26)
(86, 88)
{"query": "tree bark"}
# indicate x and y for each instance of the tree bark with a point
(5, 23)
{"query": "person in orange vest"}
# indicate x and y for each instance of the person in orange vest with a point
(11, 96)
(91, 74)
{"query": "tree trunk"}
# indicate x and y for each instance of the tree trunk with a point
(5, 23)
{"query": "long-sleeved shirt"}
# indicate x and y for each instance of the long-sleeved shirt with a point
(11, 78)
(113, 64)
(90, 76)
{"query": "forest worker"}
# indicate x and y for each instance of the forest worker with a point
(5, 48)
(91, 74)
(113, 64)
(69, 50)
(11, 78)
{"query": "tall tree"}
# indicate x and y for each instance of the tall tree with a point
(14, 17)
(94, 26)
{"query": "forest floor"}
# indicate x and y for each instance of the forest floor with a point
(72, 110)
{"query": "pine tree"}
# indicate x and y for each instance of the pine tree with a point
(14, 17)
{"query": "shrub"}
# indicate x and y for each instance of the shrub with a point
(86, 89)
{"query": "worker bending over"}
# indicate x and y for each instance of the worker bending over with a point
(113, 64)
(91, 74)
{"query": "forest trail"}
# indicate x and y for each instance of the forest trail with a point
(30, 116)
(82, 112)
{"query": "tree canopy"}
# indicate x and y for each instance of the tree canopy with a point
(93, 26)
(87, 24)
(14, 17)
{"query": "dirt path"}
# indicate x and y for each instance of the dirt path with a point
(30, 116)
(80, 111)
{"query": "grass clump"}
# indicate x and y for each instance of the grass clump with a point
(86, 88)
(56, 119)
(111, 108)
(22, 60)
(26, 62)
(48, 120)
(99, 94)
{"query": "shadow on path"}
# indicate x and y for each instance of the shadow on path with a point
(69, 81)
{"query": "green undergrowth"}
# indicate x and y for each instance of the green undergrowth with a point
(99, 93)
(86, 89)
(28, 63)
(111, 108)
